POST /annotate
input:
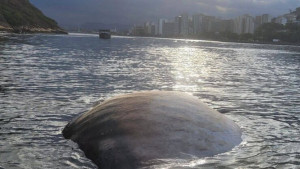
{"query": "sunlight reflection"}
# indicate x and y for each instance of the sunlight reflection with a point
(189, 67)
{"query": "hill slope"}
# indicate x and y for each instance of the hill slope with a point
(21, 16)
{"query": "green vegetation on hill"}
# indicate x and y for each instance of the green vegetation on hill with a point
(22, 16)
(285, 33)
(266, 33)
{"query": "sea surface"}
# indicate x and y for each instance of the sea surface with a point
(46, 80)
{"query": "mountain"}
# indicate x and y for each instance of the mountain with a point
(21, 16)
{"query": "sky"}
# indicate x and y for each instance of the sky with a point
(75, 12)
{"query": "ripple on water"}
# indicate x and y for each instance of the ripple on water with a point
(45, 81)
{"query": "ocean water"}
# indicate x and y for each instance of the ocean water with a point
(46, 80)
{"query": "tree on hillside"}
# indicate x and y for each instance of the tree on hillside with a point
(268, 31)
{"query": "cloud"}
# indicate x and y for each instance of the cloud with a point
(137, 11)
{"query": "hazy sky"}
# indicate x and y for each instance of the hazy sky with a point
(137, 11)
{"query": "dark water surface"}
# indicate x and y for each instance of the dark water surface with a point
(47, 80)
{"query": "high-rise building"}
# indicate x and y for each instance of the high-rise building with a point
(244, 24)
(177, 24)
(202, 23)
(191, 28)
(281, 20)
(153, 27)
(291, 18)
(266, 18)
(238, 25)
(249, 24)
(216, 25)
(207, 23)
(156, 28)
(227, 25)
(138, 30)
(262, 19)
(197, 23)
(258, 21)
(147, 27)
(297, 13)
(184, 27)
(160, 26)
(168, 29)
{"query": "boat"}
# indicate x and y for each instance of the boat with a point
(104, 34)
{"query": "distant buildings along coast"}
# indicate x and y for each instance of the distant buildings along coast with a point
(186, 26)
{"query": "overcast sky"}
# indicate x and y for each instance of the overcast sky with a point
(137, 11)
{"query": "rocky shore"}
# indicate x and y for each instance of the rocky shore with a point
(20, 16)
(30, 29)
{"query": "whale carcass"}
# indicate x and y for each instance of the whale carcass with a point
(130, 130)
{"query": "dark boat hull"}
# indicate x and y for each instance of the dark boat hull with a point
(104, 35)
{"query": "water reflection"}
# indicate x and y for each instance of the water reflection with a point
(45, 81)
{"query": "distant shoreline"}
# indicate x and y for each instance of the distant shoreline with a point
(173, 38)
(27, 30)
(214, 40)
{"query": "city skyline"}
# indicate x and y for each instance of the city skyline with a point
(184, 25)
(76, 12)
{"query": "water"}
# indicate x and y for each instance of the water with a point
(47, 80)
